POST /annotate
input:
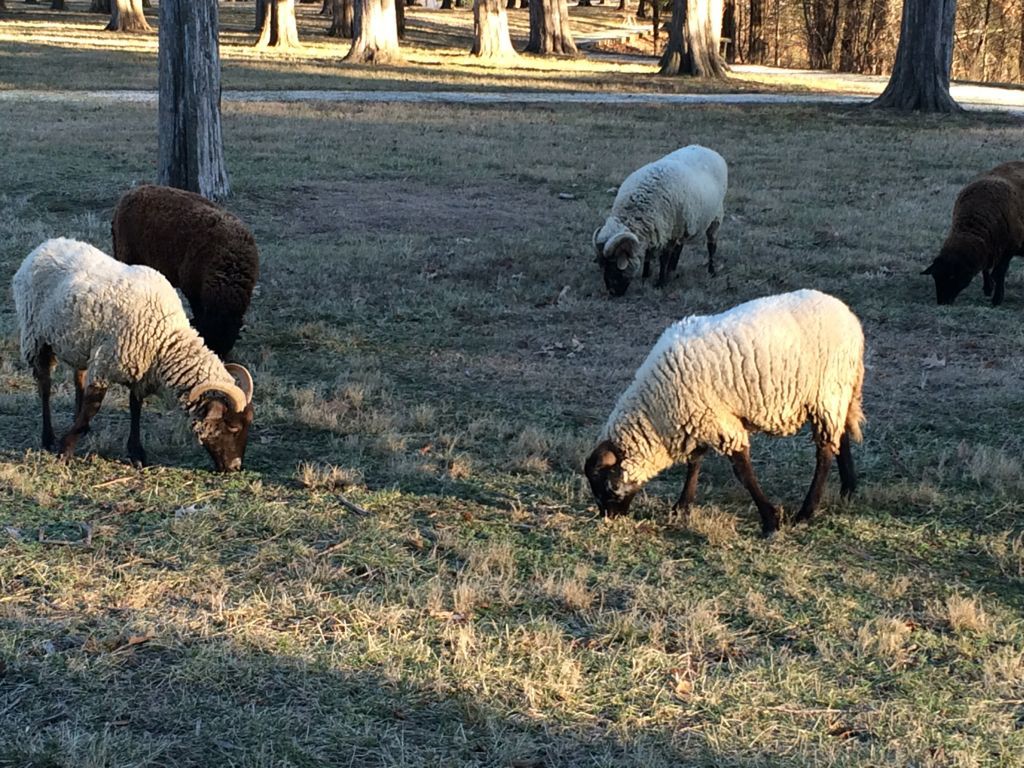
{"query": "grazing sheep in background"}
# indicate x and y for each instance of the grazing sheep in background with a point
(768, 365)
(116, 323)
(201, 248)
(658, 208)
(988, 230)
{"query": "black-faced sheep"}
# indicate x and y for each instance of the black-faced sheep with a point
(659, 207)
(988, 230)
(768, 365)
(201, 248)
(116, 323)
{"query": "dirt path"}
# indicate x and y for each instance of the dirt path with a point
(972, 97)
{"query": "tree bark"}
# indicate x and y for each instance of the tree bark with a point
(55, 5)
(694, 39)
(920, 76)
(277, 28)
(756, 44)
(821, 20)
(376, 32)
(400, 18)
(549, 28)
(99, 6)
(729, 31)
(127, 16)
(849, 41)
(491, 39)
(191, 146)
(341, 23)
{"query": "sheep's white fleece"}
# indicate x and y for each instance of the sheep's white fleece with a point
(674, 198)
(768, 365)
(125, 324)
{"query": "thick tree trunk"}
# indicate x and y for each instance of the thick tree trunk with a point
(99, 6)
(191, 147)
(694, 38)
(849, 41)
(623, 6)
(491, 39)
(277, 28)
(756, 44)
(400, 18)
(341, 24)
(821, 20)
(57, 5)
(549, 28)
(127, 16)
(920, 77)
(376, 32)
(641, 9)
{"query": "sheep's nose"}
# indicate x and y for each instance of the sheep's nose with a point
(235, 464)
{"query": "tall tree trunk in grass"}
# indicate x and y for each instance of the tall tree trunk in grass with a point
(400, 18)
(491, 39)
(191, 147)
(757, 46)
(127, 16)
(57, 5)
(694, 38)
(376, 32)
(849, 41)
(623, 5)
(821, 20)
(341, 24)
(729, 31)
(920, 77)
(99, 6)
(549, 28)
(277, 24)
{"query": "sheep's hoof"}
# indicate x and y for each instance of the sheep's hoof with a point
(137, 457)
(50, 444)
(804, 515)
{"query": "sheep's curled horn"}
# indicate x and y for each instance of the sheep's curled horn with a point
(238, 396)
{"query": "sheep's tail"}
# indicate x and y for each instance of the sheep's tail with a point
(855, 413)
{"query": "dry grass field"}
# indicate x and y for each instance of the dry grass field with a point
(431, 340)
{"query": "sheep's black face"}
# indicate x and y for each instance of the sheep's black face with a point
(951, 277)
(604, 472)
(615, 280)
(224, 434)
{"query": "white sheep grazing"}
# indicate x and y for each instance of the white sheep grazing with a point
(658, 208)
(769, 365)
(117, 323)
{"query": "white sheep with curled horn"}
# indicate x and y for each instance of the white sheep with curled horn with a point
(114, 323)
(657, 209)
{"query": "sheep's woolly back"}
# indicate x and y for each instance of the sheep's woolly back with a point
(990, 212)
(768, 365)
(674, 198)
(124, 323)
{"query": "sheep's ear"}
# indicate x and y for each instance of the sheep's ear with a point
(930, 270)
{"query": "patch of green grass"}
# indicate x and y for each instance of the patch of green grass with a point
(430, 339)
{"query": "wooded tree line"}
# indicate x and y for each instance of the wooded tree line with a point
(861, 36)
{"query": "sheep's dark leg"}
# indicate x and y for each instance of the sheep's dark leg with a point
(847, 472)
(821, 468)
(647, 265)
(689, 492)
(136, 453)
(999, 277)
(80, 391)
(677, 249)
(986, 285)
(770, 516)
(41, 368)
(663, 270)
(712, 238)
(91, 402)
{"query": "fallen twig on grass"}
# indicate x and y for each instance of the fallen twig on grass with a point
(351, 507)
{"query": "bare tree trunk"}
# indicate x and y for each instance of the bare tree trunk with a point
(549, 28)
(1020, 48)
(341, 24)
(491, 39)
(278, 28)
(58, 5)
(655, 20)
(641, 9)
(191, 146)
(849, 41)
(623, 5)
(127, 16)
(376, 32)
(920, 77)
(983, 41)
(694, 39)
(400, 18)
(756, 43)
(325, 9)
(99, 6)
(729, 31)
(821, 19)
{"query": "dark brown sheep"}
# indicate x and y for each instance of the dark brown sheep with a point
(988, 230)
(199, 247)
